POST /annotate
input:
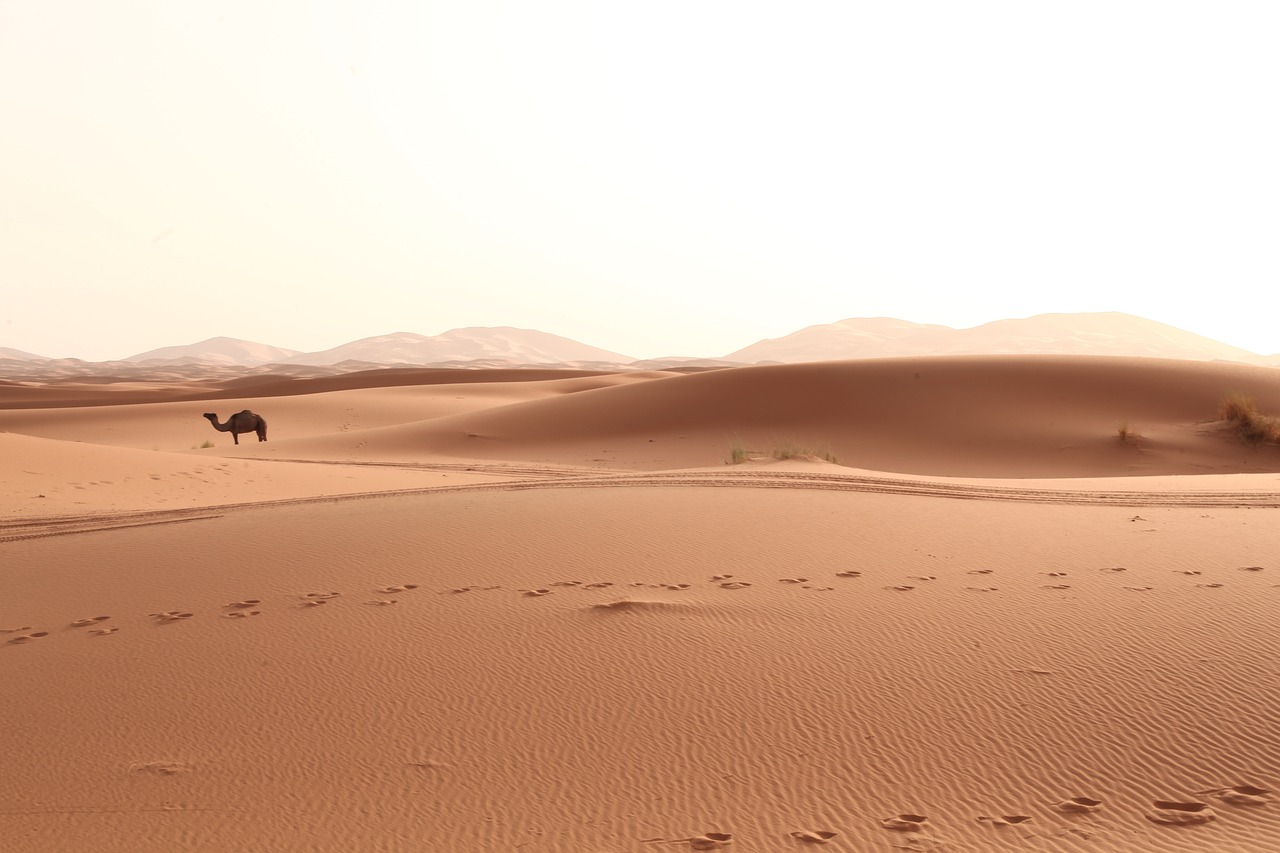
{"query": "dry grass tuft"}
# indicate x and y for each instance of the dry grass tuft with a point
(790, 450)
(1241, 411)
(1127, 434)
(738, 452)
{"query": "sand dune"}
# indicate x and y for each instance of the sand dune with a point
(1098, 334)
(992, 626)
(960, 416)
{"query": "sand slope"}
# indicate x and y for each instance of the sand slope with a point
(963, 417)
(552, 653)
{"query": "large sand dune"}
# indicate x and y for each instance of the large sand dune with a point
(542, 613)
(969, 417)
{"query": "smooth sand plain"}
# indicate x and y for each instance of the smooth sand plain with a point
(540, 612)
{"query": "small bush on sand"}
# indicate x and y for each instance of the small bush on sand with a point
(1127, 434)
(1241, 411)
(790, 450)
(738, 452)
(207, 443)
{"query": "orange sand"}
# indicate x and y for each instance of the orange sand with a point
(541, 613)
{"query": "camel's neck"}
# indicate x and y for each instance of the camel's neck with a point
(221, 427)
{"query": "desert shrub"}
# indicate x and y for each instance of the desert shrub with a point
(1241, 411)
(738, 451)
(791, 450)
(1126, 433)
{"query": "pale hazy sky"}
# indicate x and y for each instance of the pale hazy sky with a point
(656, 178)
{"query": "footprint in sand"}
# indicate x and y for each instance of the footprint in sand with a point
(15, 630)
(102, 632)
(1114, 569)
(708, 840)
(170, 616)
(85, 623)
(1240, 795)
(980, 571)
(1174, 813)
(848, 574)
(735, 585)
(241, 614)
(905, 822)
(534, 593)
(676, 587)
(1057, 586)
(1140, 588)
(242, 605)
(720, 577)
(901, 588)
(26, 638)
(982, 588)
(1005, 820)
(793, 580)
(1187, 572)
(1209, 585)
(1079, 804)
(315, 599)
(392, 590)
(567, 583)
(599, 585)
(381, 602)
(814, 836)
(1055, 574)
(923, 577)
(1252, 569)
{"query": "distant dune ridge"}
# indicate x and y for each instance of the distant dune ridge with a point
(1048, 334)
(975, 602)
(473, 343)
(218, 351)
(853, 338)
(19, 355)
(1109, 333)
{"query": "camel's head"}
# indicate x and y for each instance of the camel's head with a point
(211, 416)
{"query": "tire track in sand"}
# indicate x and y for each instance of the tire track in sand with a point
(34, 527)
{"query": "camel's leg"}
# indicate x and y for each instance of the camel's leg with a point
(235, 436)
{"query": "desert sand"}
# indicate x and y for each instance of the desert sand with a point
(588, 611)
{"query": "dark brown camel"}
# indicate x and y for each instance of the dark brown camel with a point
(240, 423)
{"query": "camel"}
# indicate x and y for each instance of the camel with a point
(241, 422)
